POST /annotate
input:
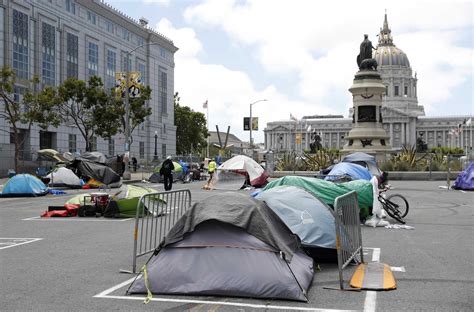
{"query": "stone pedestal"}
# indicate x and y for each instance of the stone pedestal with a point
(367, 134)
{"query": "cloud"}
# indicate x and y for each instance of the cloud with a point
(160, 2)
(320, 42)
(316, 43)
(440, 69)
(229, 92)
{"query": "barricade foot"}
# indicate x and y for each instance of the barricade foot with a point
(373, 276)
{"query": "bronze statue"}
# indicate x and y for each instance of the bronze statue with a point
(315, 145)
(366, 53)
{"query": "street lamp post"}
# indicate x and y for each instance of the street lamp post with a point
(126, 173)
(251, 123)
(155, 157)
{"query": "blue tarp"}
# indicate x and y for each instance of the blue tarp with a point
(465, 179)
(24, 185)
(356, 172)
(304, 214)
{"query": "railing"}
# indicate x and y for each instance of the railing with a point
(156, 214)
(348, 232)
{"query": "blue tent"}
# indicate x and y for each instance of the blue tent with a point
(307, 217)
(24, 185)
(465, 179)
(365, 160)
(356, 172)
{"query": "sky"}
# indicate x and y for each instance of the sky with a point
(300, 55)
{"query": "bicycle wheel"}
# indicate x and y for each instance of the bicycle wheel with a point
(393, 212)
(400, 203)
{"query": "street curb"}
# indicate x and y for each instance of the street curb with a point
(392, 175)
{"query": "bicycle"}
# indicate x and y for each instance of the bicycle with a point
(395, 205)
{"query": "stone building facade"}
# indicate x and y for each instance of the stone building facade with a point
(403, 118)
(57, 39)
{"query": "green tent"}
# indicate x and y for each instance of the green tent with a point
(127, 199)
(328, 191)
(177, 167)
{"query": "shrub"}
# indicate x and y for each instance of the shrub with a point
(319, 160)
(402, 166)
(290, 162)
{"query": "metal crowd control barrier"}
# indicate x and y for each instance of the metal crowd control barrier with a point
(156, 214)
(348, 232)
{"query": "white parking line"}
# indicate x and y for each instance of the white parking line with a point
(13, 242)
(369, 302)
(78, 219)
(398, 269)
(105, 294)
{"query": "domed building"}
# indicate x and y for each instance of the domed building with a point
(402, 117)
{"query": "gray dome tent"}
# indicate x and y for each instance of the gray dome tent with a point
(306, 216)
(230, 245)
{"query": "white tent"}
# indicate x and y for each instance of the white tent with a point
(63, 177)
(244, 164)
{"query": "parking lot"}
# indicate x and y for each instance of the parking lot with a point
(73, 264)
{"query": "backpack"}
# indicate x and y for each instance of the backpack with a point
(87, 211)
(112, 210)
(167, 167)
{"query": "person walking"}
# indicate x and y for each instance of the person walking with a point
(211, 169)
(134, 163)
(167, 171)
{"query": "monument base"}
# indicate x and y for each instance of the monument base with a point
(367, 134)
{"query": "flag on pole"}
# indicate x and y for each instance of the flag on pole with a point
(293, 117)
(469, 121)
(204, 105)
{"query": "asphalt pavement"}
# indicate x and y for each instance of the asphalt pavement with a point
(73, 264)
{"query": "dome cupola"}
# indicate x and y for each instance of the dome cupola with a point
(387, 54)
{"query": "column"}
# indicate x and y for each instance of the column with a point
(391, 134)
(402, 136)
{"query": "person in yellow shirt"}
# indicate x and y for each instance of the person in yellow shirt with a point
(211, 169)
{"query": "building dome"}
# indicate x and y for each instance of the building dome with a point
(390, 55)
(387, 54)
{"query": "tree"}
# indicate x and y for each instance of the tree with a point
(89, 107)
(191, 132)
(138, 110)
(37, 107)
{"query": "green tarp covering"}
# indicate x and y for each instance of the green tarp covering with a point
(328, 191)
(127, 199)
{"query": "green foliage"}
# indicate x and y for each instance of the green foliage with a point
(408, 159)
(435, 160)
(191, 129)
(317, 161)
(387, 166)
(89, 107)
(290, 162)
(36, 107)
(42, 107)
(321, 159)
(447, 150)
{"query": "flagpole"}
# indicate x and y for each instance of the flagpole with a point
(470, 137)
(207, 109)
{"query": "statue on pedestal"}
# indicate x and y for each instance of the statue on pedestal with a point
(421, 146)
(315, 145)
(364, 59)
